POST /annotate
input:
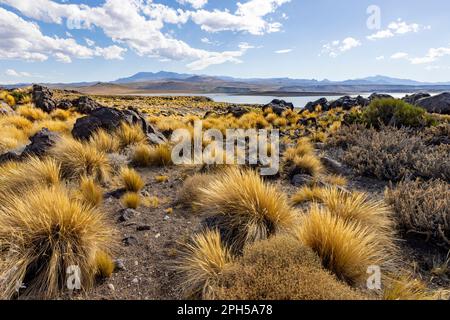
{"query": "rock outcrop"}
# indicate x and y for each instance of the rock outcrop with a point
(412, 99)
(109, 119)
(279, 106)
(436, 104)
(43, 98)
(85, 105)
(41, 142)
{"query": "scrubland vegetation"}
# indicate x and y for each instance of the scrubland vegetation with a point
(310, 232)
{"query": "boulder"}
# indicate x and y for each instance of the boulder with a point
(300, 180)
(279, 106)
(237, 111)
(345, 103)
(85, 105)
(436, 104)
(64, 104)
(40, 143)
(412, 99)
(333, 166)
(109, 119)
(375, 96)
(43, 98)
(323, 102)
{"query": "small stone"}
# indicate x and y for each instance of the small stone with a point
(300, 180)
(135, 281)
(136, 263)
(166, 217)
(111, 287)
(127, 214)
(143, 228)
(157, 235)
(119, 264)
(130, 241)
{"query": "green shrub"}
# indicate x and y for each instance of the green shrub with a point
(395, 113)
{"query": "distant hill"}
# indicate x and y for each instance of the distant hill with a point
(164, 81)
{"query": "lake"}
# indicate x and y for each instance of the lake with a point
(299, 102)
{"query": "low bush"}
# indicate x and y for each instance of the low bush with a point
(423, 208)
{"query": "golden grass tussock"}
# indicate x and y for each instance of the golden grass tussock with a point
(307, 194)
(90, 192)
(130, 135)
(347, 248)
(308, 164)
(131, 200)
(251, 209)
(80, 159)
(280, 268)
(144, 155)
(189, 193)
(64, 127)
(335, 180)
(201, 263)
(62, 115)
(357, 206)
(104, 264)
(17, 121)
(44, 233)
(31, 113)
(407, 288)
(17, 177)
(131, 179)
(104, 142)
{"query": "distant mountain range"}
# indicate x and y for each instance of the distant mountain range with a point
(163, 81)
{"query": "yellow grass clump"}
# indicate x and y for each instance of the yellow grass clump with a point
(131, 180)
(308, 164)
(346, 248)
(62, 115)
(407, 288)
(80, 159)
(201, 263)
(31, 113)
(307, 194)
(357, 206)
(280, 268)
(145, 155)
(104, 142)
(43, 234)
(250, 208)
(335, 180)
(131, 200)
(189, 193)
(130, 135)
(17, 177)
(104, 264)
(90, 192)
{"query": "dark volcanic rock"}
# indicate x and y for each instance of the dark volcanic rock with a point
(375, 96)
(345, 103)
(127, 214)
(412, 99)
(237, 111)
(300, 180)
(43, 98)
(9, 156)
(40, 143)
(110, 119)
(333, 166)
(323, 102)
(279, 106)
(437, 104)
(85, 105)
(64, 104)
(130, 241)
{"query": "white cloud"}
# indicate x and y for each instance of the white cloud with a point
(337, 47)
(219, 58)
(398, 27)
(14, 73)
(24, 40)
(283, 51)
(139, 24)
(432, 55)
(206, 40)
(380, 58)
(249, 17)
(399, 55)
(196, 4)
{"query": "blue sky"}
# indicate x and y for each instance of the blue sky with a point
(102, 40)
